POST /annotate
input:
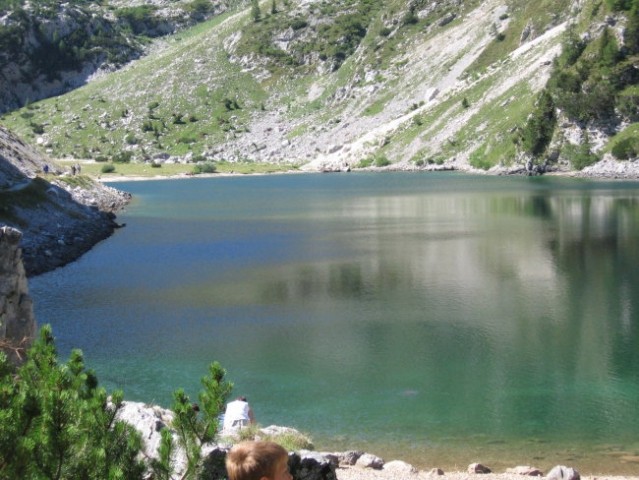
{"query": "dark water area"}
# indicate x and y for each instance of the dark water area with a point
(441, 319)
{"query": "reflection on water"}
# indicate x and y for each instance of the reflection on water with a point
(455, 318)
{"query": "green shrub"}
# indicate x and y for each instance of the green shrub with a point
(298, 23)
(108, 168)
(198, 7)
(382, 161)
(479, 160)
(37, 128)
(187, 139)
(580, 156)
(539, 128)
(122, 157)
(365, 162)
(57, 423)
(628, 104)
(626, 149)
(139, 18)
(206, 167)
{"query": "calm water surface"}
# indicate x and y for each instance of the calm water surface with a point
(441, 319)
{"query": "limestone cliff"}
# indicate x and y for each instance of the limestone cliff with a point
(17, 322)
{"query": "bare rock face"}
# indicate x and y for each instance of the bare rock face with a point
(59, 221)
(17, 322)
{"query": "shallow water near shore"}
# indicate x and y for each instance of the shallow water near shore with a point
(440, 318)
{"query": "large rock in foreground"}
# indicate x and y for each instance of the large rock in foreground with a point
(17, 322)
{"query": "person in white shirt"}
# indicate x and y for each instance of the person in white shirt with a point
(238, 414)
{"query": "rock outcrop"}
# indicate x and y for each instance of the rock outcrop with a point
(151, 420)
(17, 322)
(61, 217)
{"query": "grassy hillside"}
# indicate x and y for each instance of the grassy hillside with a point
(337, 84)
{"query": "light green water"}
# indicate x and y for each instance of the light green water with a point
(441, 319)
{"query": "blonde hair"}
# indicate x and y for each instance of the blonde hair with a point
(254, 460)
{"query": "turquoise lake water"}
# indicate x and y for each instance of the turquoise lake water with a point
(438, 318)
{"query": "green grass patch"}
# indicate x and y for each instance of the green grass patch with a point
(625, 144)
(540, 16)
(124, 170)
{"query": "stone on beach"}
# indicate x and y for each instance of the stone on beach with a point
(561, 472)
(398, 466)
(525, 470)
(478, 468)
(368, 460)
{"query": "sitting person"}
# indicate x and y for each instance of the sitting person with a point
(258, 461)
(238, 414)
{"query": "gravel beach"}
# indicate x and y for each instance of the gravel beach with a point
(357, 473)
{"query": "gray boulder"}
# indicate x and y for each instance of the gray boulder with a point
(214, 462)
(399, 467)
(311, 466)
(561, 472)
(369, 460)
(349, 457)
(478, 468)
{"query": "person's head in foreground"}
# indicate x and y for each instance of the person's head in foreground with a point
(258, 461)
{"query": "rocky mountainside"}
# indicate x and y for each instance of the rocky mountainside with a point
(49, 48)
(61, 216)
(347, 84)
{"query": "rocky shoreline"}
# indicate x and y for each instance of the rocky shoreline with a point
(88, 218)
(150, 420)
(61, 215)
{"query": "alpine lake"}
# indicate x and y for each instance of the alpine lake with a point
(437, 318)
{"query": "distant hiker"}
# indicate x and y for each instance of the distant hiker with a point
(238, 414)
(72, 169)
(46, 168)
(77, 168)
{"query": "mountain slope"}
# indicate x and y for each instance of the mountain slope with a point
(328, 85)
(48, 48)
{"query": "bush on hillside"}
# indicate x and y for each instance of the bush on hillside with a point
(122, 157)
(580, 156)
(140, 18)
(539, 128)
(628, 104)
(382, 161)
(626, 149)
(205, 167)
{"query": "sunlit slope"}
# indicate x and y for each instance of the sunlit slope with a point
(435, 84)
